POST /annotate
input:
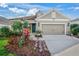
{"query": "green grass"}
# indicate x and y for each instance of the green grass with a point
(3, 43)
(3, 50)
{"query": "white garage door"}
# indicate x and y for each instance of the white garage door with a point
(53, 29)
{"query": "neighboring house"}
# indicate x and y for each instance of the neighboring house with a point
(50, 23)
(4, 21)
(75, 21)
(30, 19)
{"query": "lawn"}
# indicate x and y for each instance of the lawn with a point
(3, 50)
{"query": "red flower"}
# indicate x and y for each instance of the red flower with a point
(26, 31)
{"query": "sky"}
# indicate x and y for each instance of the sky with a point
(13, 10)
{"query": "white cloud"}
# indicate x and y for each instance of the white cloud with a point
(33, 11)
(33, 6)
(17, 10)
(74, 8)
(3, 5)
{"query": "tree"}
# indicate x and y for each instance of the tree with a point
(25, 34)
(17, 27)
(25, 24)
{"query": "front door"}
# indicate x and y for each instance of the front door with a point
(33, 27)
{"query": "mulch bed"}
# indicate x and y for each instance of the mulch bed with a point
(30, 47)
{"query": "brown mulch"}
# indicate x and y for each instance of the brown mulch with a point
(29, 48)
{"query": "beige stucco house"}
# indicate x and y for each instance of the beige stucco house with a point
(53, 23)
(50, 23)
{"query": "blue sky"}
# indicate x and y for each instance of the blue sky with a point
(10, 10)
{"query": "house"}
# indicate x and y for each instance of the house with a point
(8, 22)
(50, 23)
(75, 21)
(30, 19)
(4, 21)
(53, 23)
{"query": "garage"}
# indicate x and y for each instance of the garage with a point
(53, 29)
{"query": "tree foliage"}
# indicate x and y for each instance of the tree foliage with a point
(17, 26)
(25, 24)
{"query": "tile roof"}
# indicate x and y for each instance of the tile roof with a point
(24, 18)
(10, 21)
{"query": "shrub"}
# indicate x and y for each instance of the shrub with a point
(5, 31)
(38, 33)
(75, 30)
(73, 26)
(3, 50)
(21, 41)
(16, 33)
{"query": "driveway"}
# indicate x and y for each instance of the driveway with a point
(58, 43)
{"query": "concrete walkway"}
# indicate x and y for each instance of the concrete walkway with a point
(58, 43)
(72, 51)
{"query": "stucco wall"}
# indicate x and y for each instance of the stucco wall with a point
(57, 20)
(1, 25)
(74, 22)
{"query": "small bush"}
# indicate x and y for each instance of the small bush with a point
(16, 33)
(3, 50)
(21, 41)
(73, 26)
(74, 29)
(5, 31)
(38, 33)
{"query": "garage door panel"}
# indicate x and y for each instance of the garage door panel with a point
(53, 29)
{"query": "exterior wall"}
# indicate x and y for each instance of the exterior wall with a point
(1, 25)
(74, 22)
(53, 21)
(57, 20)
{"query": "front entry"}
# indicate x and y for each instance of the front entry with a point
(33, 27)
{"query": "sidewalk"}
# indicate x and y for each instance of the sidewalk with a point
(72, 51)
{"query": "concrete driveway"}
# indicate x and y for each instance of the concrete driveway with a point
(59, 43)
